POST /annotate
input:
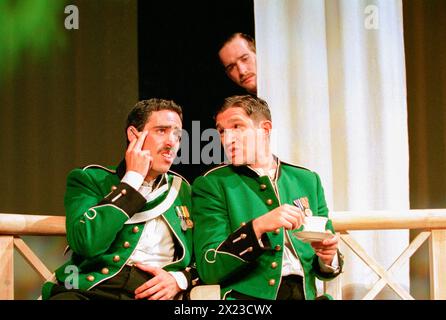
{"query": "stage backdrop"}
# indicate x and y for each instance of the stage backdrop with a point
(64, 96)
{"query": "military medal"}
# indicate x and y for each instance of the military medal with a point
(303, 204)
(183, 214)
(180, 214)
(298, 204)
(304, 201)
(306, 205)
(189, 222)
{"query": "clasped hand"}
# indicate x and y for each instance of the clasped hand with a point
(162, 286)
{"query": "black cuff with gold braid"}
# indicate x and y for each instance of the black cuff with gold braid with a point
(191, 275)
(244, 243)
(126, 198)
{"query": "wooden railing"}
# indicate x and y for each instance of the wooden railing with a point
(12, 226)
(432, 224)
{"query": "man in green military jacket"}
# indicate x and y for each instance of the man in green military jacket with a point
(130, 228)
(246, 212)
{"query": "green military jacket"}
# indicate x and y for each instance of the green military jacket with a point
(105, 219)
(225, 201)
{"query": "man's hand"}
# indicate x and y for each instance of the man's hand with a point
(162, 286)
(326, 250)
(137, 159)
(286, 216)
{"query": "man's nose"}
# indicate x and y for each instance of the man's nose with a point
(229, 138)
(172, 138)
(242, 68)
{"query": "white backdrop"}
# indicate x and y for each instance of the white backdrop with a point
(333, 73)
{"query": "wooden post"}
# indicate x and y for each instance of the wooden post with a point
(28, 224)
(32, 259)
(334, 287)
(437, 262)
(6, 267)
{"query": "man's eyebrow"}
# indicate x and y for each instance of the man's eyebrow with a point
(242, 56)
(237, 59)
(231, 120)
(229, 65)
(163, 126)
(166, 127)
(235, 118)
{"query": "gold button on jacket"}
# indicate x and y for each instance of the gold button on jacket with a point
(105, 271)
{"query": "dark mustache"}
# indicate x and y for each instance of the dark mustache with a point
(246, 77)
(166, 149)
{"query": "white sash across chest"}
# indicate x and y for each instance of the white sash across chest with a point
(161, 207)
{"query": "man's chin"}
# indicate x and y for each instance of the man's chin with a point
(161, 169)
(250, 86)
(237, 162)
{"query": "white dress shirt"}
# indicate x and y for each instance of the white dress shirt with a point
(156, 246)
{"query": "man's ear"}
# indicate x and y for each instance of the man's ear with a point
(267, 126)
(130, 133)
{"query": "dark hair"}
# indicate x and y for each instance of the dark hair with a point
(250, 40)
(255, 107)
(142, 110)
